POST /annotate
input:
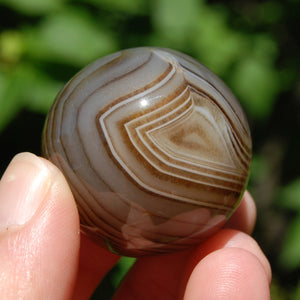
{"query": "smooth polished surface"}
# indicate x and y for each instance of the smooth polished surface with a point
(155, 147)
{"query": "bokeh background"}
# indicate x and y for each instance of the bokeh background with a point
(252, 45)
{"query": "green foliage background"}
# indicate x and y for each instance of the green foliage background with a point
(252, 45)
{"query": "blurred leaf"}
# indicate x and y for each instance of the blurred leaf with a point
(290, 254)
(260, 168)
(25, 86)
(70, 37)
(263, 48)
(174, 19)
(289, 196)
(132, 6)
(217, 45)
(11, 46)
(39, 90)
(9, 101)
(123, 266)
(256, 85)
(277, 292)
(269, 12)
(255, 79)
(34, 7)
(296, 294)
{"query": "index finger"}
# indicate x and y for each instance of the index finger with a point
(244, 217)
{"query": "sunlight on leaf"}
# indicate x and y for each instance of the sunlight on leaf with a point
(174, 19)
(69, 37)
(25, 86)
(11, 46)
(38, 89)
(255, 79)
(216, 45)
(123, 266)
(256, 85)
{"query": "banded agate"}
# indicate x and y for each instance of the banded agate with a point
(155, 147)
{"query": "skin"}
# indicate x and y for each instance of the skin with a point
(43, 255)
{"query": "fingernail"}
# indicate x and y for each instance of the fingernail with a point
(23, 187)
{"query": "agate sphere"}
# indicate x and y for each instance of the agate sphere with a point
(155, 147)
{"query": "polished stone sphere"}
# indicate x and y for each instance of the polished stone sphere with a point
(155, 148)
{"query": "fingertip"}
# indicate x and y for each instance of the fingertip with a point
(39, 250)
(245, 242)
(228, 273)
(228, 238)
(244, 217)
(23, 187)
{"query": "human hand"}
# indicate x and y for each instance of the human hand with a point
(43, 255)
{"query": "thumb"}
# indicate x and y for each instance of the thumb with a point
(39, 231)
